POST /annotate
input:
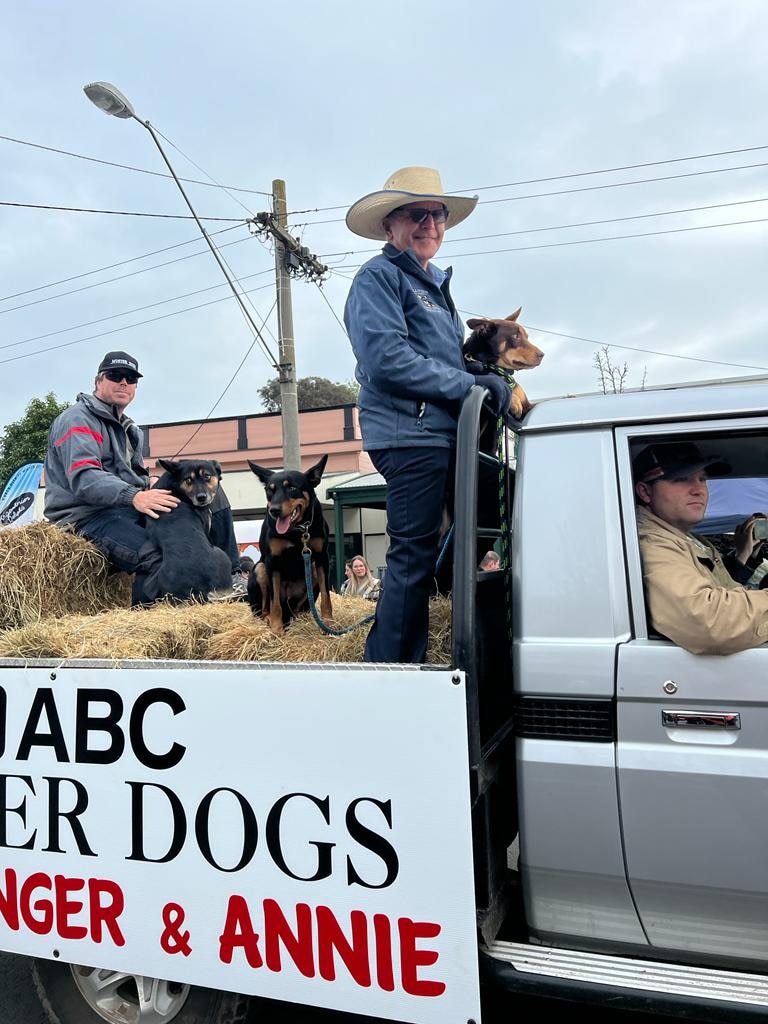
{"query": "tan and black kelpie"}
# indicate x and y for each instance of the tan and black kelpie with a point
(277, 584)
(504, 343)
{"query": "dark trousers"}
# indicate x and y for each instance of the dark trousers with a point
(417, 490)
(120, 534)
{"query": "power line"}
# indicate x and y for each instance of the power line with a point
(111, 266)
(613, 238)
(118, 213)
(647, 351)
(559, 177)
(586, 188)
(561, 227)
(119, 277)
(212, 180)
(611, 170)
(128, 167)
(333, 311)
(128, 327)
(125, 312)
(589, 241)
(229, 383)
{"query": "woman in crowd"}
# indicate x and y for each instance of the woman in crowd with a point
(362, 582)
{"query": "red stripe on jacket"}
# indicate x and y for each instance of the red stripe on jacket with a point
(85, 462)
(81, 430)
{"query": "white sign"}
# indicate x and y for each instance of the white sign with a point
(298, 833)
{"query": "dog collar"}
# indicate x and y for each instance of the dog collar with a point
(501, 371)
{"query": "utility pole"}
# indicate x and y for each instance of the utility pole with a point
(291, 260)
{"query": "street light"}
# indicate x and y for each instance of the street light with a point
(109, 99)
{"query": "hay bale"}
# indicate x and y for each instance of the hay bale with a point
(212, 632)
(49, 572)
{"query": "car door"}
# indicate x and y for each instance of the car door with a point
(692, 769)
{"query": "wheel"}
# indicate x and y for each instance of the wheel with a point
(71, 994)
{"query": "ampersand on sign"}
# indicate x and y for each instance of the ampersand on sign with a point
(173, 940)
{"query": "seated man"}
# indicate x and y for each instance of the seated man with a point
(691, 596)
(96, 481)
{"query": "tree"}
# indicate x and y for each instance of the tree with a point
(313, 393)
(612, 378)
(26, 440)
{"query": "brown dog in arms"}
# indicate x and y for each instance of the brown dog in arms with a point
(504, 343)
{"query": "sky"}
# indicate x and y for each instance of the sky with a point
(531, 106)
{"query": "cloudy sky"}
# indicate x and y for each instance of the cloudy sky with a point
(577, 124)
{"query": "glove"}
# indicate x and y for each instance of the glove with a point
(476, 369)
(500, 397)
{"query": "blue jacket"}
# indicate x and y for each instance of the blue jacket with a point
(94, 461)
(407, 338)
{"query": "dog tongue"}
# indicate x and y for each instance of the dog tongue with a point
(283, 524)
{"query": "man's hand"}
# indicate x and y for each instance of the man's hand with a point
(744, 540)
(153, 501)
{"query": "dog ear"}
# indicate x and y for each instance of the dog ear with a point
(479, 325)
(170, 466)
(315, 472)
(262, 473)
(217, 466)
(516, 314)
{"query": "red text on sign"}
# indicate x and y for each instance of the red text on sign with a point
(316, 942)
(44, 904)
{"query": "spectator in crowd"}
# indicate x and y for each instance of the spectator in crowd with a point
(362, 582)
(490, 561)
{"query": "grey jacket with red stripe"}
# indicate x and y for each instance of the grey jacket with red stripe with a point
(94, 461)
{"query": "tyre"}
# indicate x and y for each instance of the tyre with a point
(71, 994)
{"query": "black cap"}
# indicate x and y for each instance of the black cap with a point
(660, 461)
(119, 361)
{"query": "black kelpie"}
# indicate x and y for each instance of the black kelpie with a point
(191, 566)
(276, 585)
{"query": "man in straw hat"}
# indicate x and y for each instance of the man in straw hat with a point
(97, 483)
(407, 339)
(693, 598)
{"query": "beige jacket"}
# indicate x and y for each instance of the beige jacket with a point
(691, 598)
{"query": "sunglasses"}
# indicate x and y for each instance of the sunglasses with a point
(118, 375)
(419, 215)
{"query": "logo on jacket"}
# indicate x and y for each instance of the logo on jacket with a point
(425, 299)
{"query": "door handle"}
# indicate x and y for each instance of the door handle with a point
(701, 719)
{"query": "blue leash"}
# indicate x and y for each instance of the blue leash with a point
(307, 556)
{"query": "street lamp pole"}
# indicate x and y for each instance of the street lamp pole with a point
(109, 99)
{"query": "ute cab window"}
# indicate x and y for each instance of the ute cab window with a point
(701, 506)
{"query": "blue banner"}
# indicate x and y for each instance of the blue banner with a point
(17, 502)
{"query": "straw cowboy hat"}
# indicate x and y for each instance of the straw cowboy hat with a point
(408, 185)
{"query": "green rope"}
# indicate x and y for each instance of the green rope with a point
(501, 453)
(307, 556)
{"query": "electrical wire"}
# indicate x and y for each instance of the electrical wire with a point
(646, 351)
(559, 177)
(125, 312)
(141, 323)
(229, 384)
(120, 277)
(333, 311)
(203, 171)
(128, 167)
(111, 266)
(586, 188)
(587, 241)
(118, 213)
(562, 227)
